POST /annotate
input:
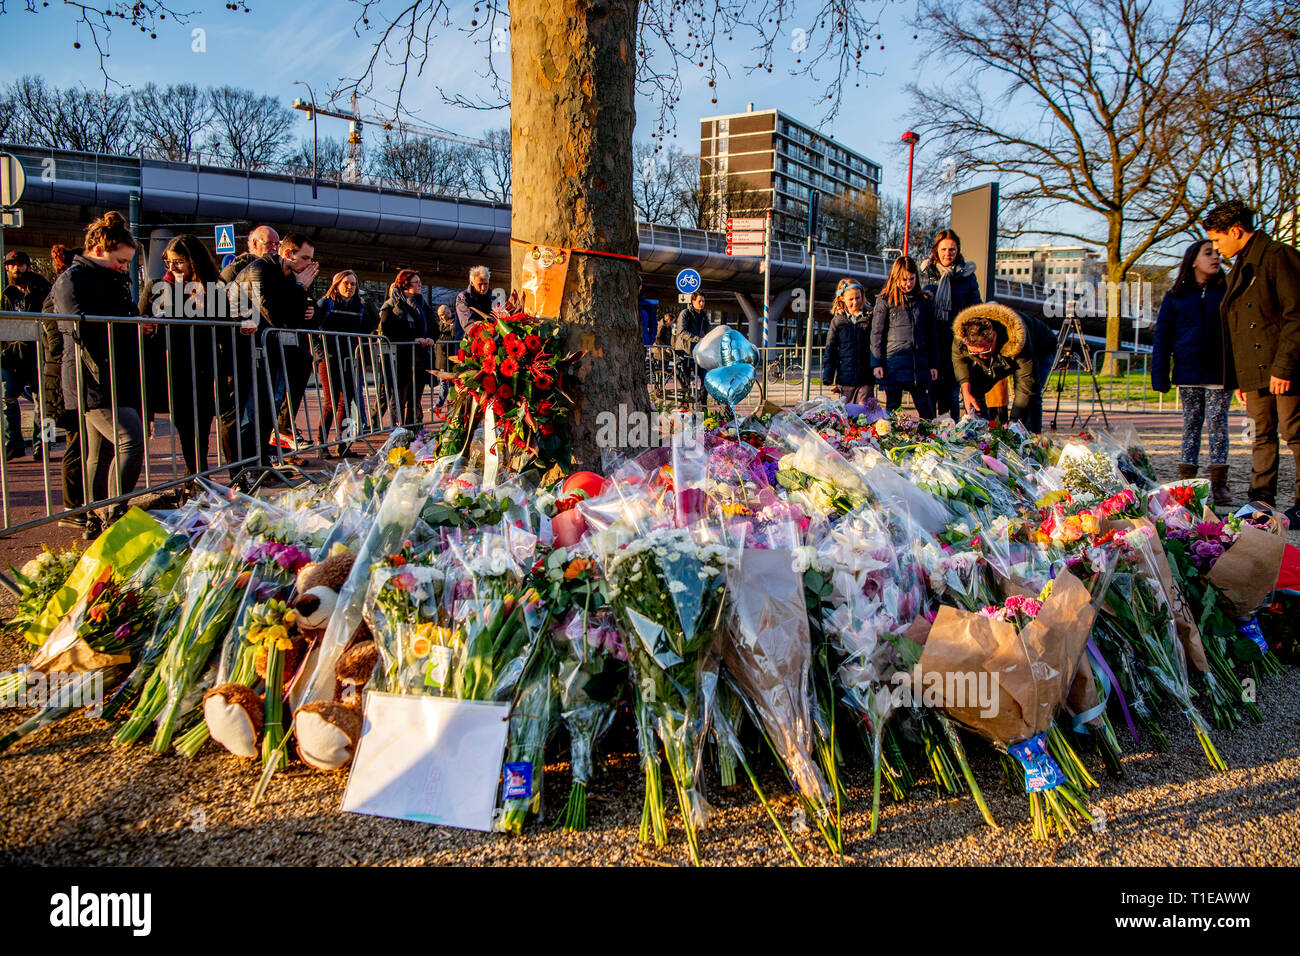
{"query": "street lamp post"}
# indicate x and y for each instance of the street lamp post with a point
(910, 139)
(313, 134)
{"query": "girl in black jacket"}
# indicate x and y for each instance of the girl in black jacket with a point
(846, 363)
(404, 320)
(903, 343)
(1190, 331)
(341, 309)
(188, 291)
(97, 284)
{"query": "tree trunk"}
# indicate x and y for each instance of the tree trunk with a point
(1114, 277)
(572, 72)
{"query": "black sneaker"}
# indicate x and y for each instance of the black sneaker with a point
(94, 527)
(74, 522)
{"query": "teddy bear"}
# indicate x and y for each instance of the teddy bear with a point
(326, 732)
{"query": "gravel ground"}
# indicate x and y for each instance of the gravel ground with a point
(68, 797)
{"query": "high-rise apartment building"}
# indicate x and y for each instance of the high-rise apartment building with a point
(763, 160)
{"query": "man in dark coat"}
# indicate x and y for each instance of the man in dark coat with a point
(475, 302)
(991, 342)
(274, 289)
(25, 292)
(1261, 320)
(691, 326)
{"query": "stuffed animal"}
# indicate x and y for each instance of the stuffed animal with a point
(327, 732)
(318, 591)
(234, 712)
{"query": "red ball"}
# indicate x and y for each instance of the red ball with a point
(586, 482)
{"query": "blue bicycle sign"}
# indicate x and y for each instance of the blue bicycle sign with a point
(688, 280)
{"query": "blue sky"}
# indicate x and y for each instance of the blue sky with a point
(278, 43)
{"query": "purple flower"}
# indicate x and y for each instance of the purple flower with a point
(123, 632)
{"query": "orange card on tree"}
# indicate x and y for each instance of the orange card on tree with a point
(545, 269)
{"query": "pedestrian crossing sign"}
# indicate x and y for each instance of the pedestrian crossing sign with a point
(226, 239)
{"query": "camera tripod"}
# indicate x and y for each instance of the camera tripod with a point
(1069, 343)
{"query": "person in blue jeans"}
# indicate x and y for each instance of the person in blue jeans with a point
(1189, 333)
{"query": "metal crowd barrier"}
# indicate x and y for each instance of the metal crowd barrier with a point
(190, 351)
(321, 383)
(215, 384)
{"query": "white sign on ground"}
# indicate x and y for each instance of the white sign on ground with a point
(429, 759)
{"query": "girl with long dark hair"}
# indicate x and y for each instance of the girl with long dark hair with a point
(341, 309)
(1189, 332)
(188, 290)
(904, 346)
(404, 319)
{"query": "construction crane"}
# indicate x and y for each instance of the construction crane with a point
(356, 121)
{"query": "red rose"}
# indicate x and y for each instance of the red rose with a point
(532, 343)
(489, 383)
(509, 367)
(543, 381)
(499, 407)
(460, 355)
(547, 431)
(505, 393)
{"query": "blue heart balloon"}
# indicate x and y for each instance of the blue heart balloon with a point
(730, 384)
(736, 348)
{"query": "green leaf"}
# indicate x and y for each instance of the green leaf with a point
(1246, 650)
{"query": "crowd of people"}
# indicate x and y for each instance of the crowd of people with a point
(207, 324)
(927, 333)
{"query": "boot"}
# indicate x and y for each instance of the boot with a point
(1219, 486)
(1186, 471)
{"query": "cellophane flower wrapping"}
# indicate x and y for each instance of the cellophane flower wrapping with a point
(878, 590)
(669, 590)
(502, 655)
(180, 646)
(814, 475)
(272, 546)
(410, 621)
(493, 610)
(406, 492)
(767, 649)
(591, 672)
